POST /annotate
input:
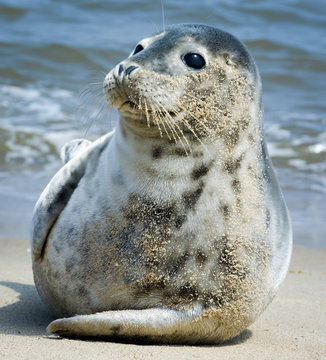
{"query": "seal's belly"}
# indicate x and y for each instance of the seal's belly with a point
(144, 257)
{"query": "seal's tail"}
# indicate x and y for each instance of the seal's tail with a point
(150, 325)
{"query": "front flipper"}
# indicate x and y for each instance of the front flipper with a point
(152, 325)
(73, 148)
(58, 192)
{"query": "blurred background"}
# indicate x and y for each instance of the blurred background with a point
(55, 54)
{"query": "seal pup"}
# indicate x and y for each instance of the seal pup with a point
(172, 228)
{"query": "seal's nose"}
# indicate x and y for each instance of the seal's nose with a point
(130, 69)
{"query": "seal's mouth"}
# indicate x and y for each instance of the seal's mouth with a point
(131, 104)
(130, 107)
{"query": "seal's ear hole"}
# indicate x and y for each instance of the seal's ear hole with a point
(194, 61)
(228, 60)
(138, 48)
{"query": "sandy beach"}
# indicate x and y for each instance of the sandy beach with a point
(293, 326)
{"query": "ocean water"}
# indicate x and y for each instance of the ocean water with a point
(54, 56)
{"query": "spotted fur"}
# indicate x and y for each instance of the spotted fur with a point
(172, 228)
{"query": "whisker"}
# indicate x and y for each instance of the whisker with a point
(90, 88)
(161, 119)
(101, 107)
(170, 123)
(181, 132)
(87, 103)
(185, 122)
(93, 109)
(90, 96)
(181, 138)
(87, 94)
(163, 15)
(147, 114)
(175, 125)
(156, 122)
(163, 113)
(166, 117)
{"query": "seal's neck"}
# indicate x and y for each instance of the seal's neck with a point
(161, 170)
(150, 156)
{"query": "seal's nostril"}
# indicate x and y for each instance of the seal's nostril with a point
(120, 69)
(130, 69)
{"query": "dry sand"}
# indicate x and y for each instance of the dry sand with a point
(293, 326)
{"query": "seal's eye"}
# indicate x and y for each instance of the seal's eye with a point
(138, 49)
(194, 60)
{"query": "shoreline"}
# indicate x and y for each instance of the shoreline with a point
(292, 327)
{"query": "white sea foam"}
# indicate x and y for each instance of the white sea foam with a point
(297, 163)
(20, 93)
(275, 150)
(36, 105)
(276, 131)
(317, 148)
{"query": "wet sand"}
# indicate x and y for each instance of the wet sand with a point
(293, 326)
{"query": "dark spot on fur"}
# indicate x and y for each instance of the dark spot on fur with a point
(69, 263)
(221, 76)
(213, 274)
(149, 211)
(197, 154)
(115, 328)
(243, 123)
(231, 166)
(71, 230)
(211, 299)
(179, 221)
(220, 243)
(251, 138)
(200, 171)
(190, 198)
(229, 260)
(147, 286)
(188, 291)
(268, 218)
(238, 202)
(64, 193)
(225, 211)
(82, 290)
(178, 263)
(236, 185)
(180, 152)
(119, 179)
(201, 257)
(157, 152)
(62, 196)
(232, 136)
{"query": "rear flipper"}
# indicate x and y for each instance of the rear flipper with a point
(153, 325)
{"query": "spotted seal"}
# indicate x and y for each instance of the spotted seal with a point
(172, 228)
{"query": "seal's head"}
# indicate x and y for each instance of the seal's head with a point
(193, 80)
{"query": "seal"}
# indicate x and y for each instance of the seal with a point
(172, 228)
